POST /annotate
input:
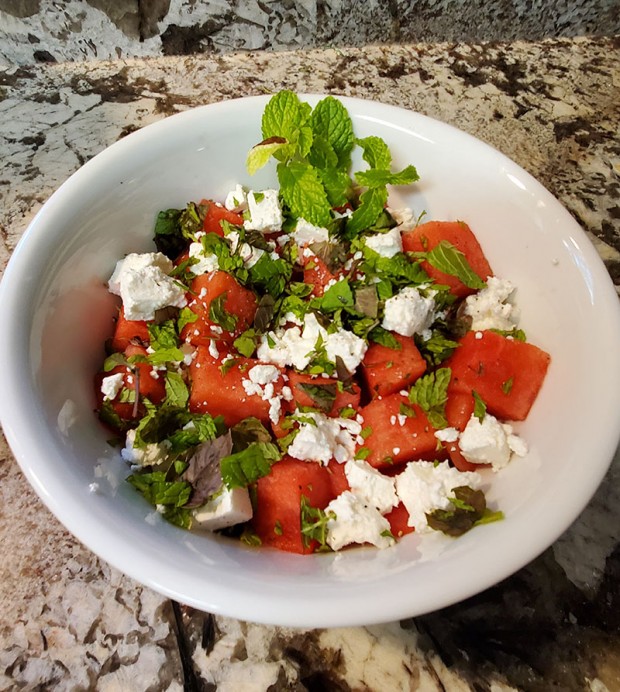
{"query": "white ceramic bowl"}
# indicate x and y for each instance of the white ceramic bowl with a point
(54, 311)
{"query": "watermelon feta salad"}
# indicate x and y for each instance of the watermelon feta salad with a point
(307, 368)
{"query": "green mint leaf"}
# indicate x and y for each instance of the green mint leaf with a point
(113, 361)
(186, 316)
(191, 220)
(372, 202)
(338, 186)
(246, 343)
(314, 524)
(376, 177)
(285, 116)
(445, 257)
(337, 296)
(163, 336)
(331, 121)
(430, 393)
(303, 192)
(436, 349)
(177, 393)
(245, 467)
(259, 155)
(270, 275)
(517, 334)
(157, 490)
(382, 336)
(375, 152)
(480, 408)
(507, 385)
(219, 315)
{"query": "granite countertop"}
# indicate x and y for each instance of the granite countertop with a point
(69, 621)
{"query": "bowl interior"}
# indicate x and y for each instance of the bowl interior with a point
(57, 313)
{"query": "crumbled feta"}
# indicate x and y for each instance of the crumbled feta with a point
(112, 385)
(370, 485)
(206, 263)
(404, 217)
(189, 353)
(142, 281)
(294, 346)
(386, 244)
(306, 233)
(488, 308)
(237, 199)
(323, 438)
(490, 442)
(149, 455)
(408, 312)
(447, 435)
(424, 487)
(226, 508)
(213, 352)
(260, 382)
(266, 213)
(356, 522)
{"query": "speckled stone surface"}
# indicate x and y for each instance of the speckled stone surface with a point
(68, 621)
(58, 30)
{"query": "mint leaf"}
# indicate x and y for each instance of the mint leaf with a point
(285, 116)
(430, 393)
(113, 361)
(304, 194)
(436, 349)
(480, 408)
(375, 152)
(219, 315)
(186, 316)
(371, 205)
(445, 257)
(314, 524)
(322, 395)
(331, 121)
(247, 466)
(337, 296)
(177, 393)
(470, 509)
(259, 155)
(376, 177)
(157, 490)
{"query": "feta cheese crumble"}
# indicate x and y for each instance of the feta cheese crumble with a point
(370, 485)
(237, 199)
(261, 382)
(112, 385)
(225, 508)
(295, 346)
(206, 263)
(265, 212)
(356, 522)
(322, 438)
(424, 487)
(490, 442)
(488, 308)
(386, 244)
(306, 233)
(142, 281)
(408, 312)
(149, 455)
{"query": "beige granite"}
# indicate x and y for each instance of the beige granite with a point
(68, 621)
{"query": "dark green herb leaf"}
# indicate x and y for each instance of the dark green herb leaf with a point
(445, 257)
(247, 466)
(314, 523)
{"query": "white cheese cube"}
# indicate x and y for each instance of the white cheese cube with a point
(226, 508)
(386, 244)
(265, 213)
(408, 312)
